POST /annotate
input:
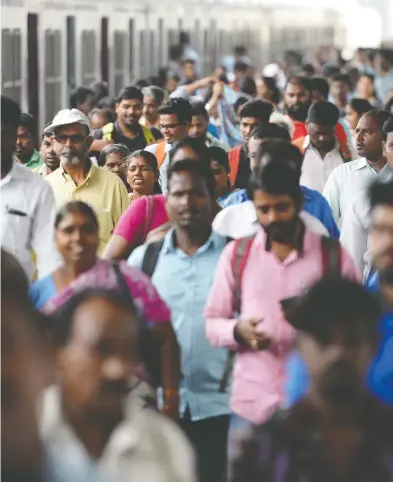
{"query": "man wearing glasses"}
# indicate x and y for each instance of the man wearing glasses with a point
(175, 122)
(78, 179)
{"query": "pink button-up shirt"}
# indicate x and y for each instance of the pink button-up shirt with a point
(258, 377)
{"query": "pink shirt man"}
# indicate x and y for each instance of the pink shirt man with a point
(258, 377)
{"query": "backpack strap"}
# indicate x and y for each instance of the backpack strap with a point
(151, 257)
(148, 135)
(331, 256)
(299, 143)
(107, 131)
(160, 153)
(234, 162)
(239, 260)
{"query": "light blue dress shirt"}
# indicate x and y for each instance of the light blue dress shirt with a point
(183, 282)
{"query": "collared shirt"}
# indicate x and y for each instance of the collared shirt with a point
(34, 162)
(164, 165)
(315, 170)
(42, 170)
(145, 446)
(102, 190)
(258, 380)
(314, 203)
(241, 220)
(346, 181)
(28, 214)
(356, 223)
(190, 278)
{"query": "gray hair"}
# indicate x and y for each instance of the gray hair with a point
(157, 93)
(111, 149)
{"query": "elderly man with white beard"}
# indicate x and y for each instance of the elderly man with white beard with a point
(78, 179)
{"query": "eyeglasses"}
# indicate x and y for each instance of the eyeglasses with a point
(168, 126)
(76, 139)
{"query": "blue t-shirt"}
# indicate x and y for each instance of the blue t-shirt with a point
(314, 203)
(42, 291)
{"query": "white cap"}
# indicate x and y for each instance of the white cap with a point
(66, 117)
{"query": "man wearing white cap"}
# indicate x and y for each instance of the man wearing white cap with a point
(78, 179)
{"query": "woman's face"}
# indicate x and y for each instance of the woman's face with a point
(140, 176)
(77, 240)
(352, 117)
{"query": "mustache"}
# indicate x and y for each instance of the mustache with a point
(71, 157)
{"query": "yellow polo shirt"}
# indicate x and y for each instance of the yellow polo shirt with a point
(102, 190)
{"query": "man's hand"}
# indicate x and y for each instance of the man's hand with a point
(246, 332)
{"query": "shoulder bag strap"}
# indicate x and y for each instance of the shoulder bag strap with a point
(151, 257)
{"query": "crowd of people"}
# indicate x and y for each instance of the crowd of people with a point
(197, 276)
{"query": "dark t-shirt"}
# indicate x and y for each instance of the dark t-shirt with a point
(244, 171)
(291, 448)
(138, 142)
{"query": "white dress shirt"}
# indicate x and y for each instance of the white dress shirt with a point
(346, 181)
(146, 446)
(164, 166)
(315, 170)
(356, 223)
(27, 221)
(240, 220)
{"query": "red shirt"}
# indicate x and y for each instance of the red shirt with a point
(301, 131)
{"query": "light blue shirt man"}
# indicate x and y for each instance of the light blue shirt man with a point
(183, 282)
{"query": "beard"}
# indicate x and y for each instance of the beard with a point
(298, 112)
(70, 158)
(282, 231)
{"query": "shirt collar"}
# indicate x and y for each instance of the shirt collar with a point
(215, 241)
(17, 171)
(307, 144)
(360, 163)
(90, 175)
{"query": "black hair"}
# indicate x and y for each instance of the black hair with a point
(220, 155)
(240, 66)
(157, 93)
(299, 80)
(275, 93)
(151, 159)
(388, 125)
(342, 78)
(100, 90)
(270, 130)
(379, 116)
(240, 50)
(389, 105)
(130, 92)
(309, 68)
(179, 107)
(279, 150)
(321, 85)
(198, 109)
(79, 96)
(10, 112)
(381, 193)
(107, 103)
(108, 114)
(257, 108)
(323, 113)
(78, 207)
(111, 149)
(240, 101)
(276, 178)
(248, 86)
(330, 70)
(14, 282)
(197, 145)
(140, 84)
(28, 121)
(199, 168)
(44, 133)
(360, 106)
(63, 318)
(353, 307)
